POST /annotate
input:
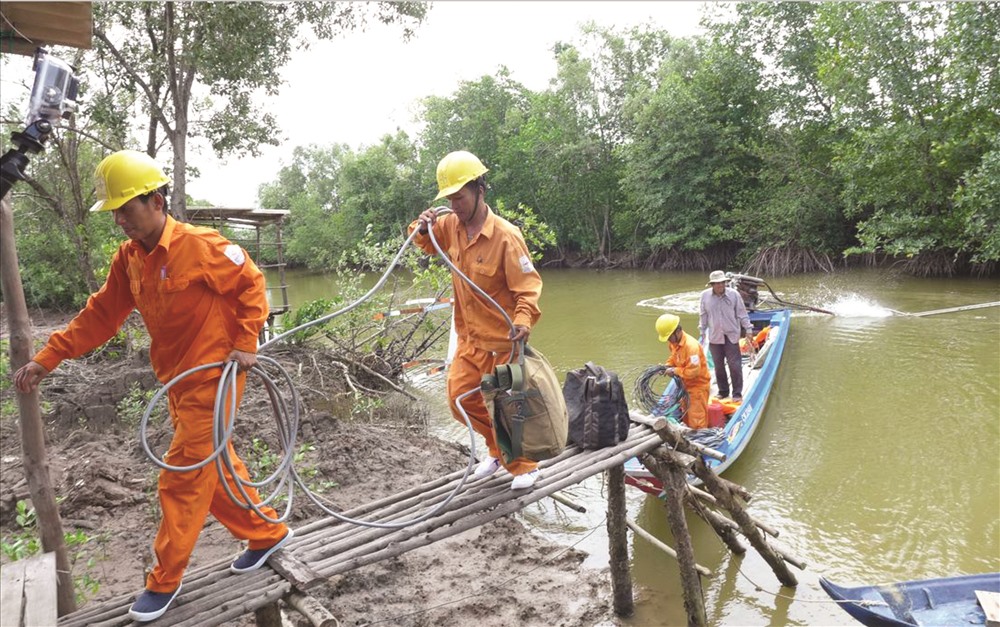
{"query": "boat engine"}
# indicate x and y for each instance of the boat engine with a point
(748, 287)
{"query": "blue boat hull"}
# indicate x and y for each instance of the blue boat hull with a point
(743, 423)
(946, 601)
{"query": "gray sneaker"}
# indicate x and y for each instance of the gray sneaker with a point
(252, 559)
(151, 605)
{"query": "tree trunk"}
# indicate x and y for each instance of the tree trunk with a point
(182, 76)
(34, 458)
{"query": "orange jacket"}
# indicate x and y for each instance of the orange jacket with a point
(497, 260)
(200, 297)
(688, 358)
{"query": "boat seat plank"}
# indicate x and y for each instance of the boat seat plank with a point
(990, 602)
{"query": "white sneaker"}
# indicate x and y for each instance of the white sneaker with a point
(486, 467)
(525, 481)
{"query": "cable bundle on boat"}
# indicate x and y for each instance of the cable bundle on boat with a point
(665, 404)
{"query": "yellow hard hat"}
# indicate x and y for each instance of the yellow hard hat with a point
(123, 175)
(666, 325)
(455, 170)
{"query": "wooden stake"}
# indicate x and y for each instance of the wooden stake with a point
(33, 454)
(726, 533)
(268, 616)
(747, 526)
(694, 601)
(621, 578)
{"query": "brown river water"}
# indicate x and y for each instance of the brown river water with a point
(877, 459)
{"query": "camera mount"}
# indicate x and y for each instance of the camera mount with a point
(29, 141)
(53, 97)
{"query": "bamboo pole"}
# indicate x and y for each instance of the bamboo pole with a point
(487, 494)
(573, 505)
(656, 542)
(423, 497)
(621, 578)
(466, 518)
(313, 610)
(33, 454)
(671, 457)
(709, 499)
(935, 312)
(672, 435)
(213, 592)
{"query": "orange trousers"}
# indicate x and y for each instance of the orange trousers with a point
(186, 498)
(696, 415)
(465, 373)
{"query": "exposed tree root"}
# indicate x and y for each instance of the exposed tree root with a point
(785, 260)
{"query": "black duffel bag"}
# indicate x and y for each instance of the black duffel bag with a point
(598, 412)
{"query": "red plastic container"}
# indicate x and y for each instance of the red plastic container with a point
(716, 418)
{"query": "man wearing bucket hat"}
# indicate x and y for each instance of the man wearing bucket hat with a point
(723, 317)
(202, 300)
(490, 251)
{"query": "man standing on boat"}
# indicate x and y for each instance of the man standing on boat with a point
(687, 361)
(491, 251)
(202, 300)
(723, 317)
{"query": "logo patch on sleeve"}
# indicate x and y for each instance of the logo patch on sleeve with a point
(235, 254)
(695, 360)
(525, 262)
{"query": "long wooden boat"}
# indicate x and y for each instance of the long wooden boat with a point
(945, 601)
(758, 379)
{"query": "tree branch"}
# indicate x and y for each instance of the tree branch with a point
(134, 76)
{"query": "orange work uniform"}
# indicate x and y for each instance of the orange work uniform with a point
(497, 260)
(688, 360)
(200, 297)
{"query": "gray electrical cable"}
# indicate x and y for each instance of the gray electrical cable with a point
(287, 424)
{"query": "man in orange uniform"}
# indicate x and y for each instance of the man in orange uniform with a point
(490, 251)
(202, 300)
(687, 361)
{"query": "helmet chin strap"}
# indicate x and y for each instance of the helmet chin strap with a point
(475, 206)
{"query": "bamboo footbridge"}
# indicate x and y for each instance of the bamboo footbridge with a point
(212, 595)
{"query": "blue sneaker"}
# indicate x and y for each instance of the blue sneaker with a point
(151, 605)
(252, 559)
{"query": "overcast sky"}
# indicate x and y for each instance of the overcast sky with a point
(357, 88)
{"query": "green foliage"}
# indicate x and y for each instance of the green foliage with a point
(977, 210)
(261, 460)
(59, 242)
(381, 185)
(24, 542)
(880, 111)
(318, 230)
(695, 157)
(307, 312)
(6, 384)
(133, 405)
(234, 51)
(537, 234)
